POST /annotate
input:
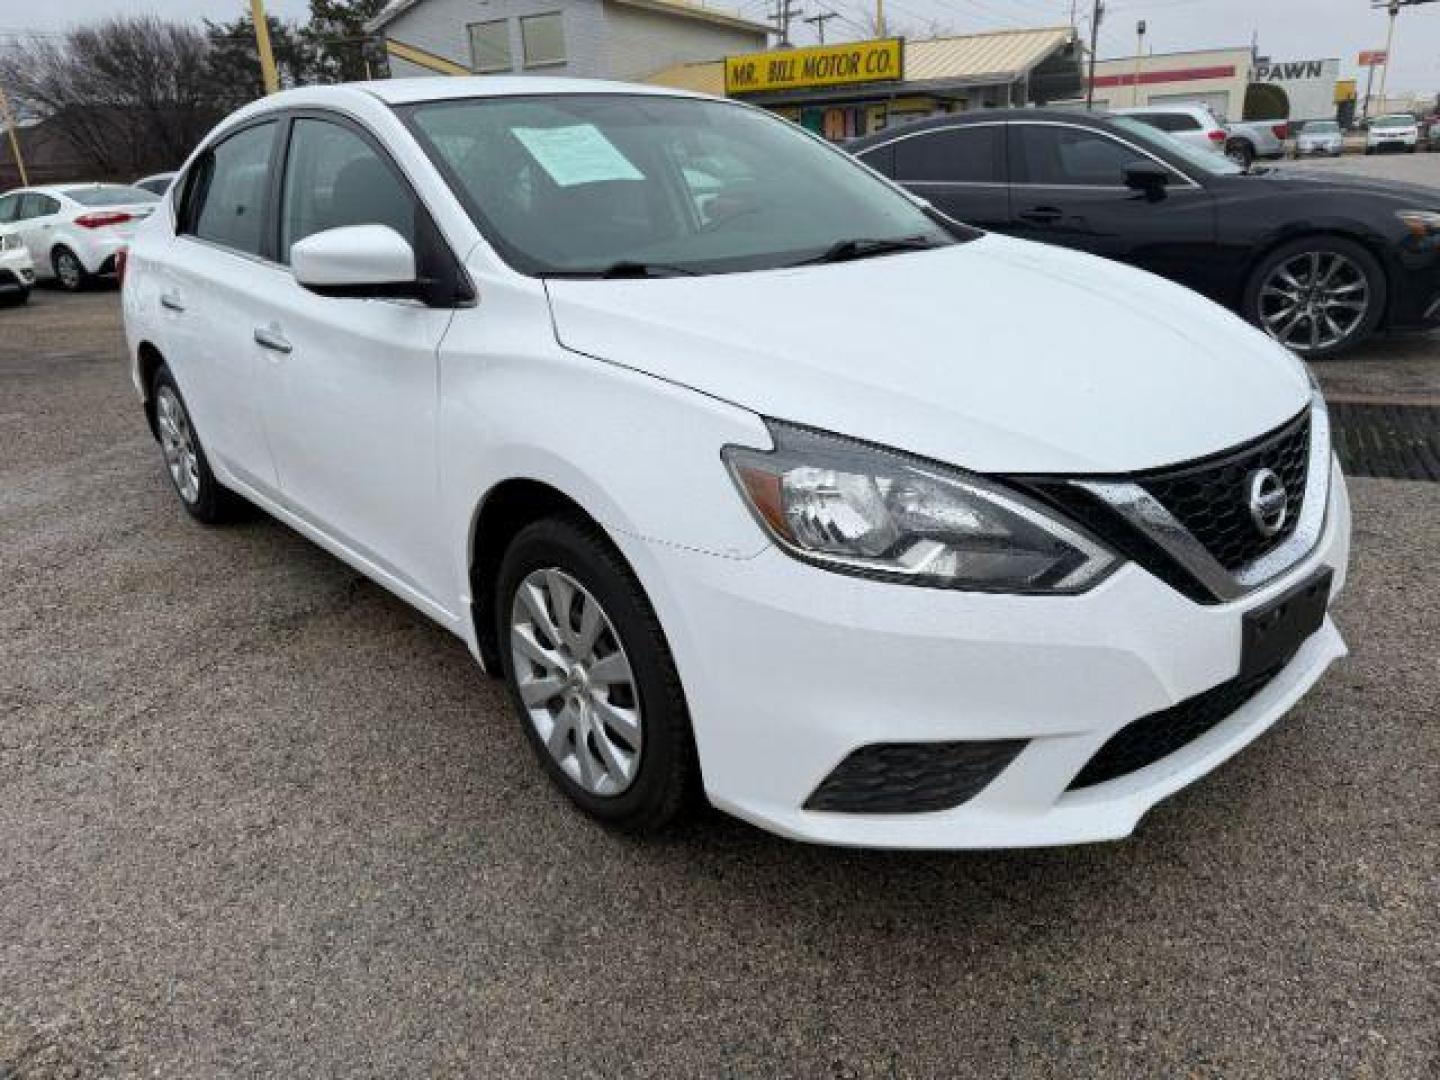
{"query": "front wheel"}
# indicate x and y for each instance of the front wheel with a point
(591, 677)
(70, 272)
(1319, 296)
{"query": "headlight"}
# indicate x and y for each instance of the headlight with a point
(1421, 223)
(878, 513)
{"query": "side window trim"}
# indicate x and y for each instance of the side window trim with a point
(1017, 170)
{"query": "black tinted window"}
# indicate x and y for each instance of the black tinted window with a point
(9, 208)
(228, 195)
(1169, 121)
(1071, 156)
(334, 178)
(964, 155)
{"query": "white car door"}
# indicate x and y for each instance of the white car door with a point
(214, 275)
(349, 394)
(39, 214)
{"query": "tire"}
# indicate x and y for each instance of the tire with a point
(70, 272)
(1240, 152)
(15, 299)
(566, 561)
(1267, 295)
(203, 497)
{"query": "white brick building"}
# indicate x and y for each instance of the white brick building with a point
(607, 39)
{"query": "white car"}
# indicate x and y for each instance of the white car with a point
(1320, 137)
(1193, 124)
(74, 231)
(1398, 132)
(17, 270)
(790, 497)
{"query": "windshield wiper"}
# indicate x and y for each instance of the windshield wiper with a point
(865, 248)
(627, 268)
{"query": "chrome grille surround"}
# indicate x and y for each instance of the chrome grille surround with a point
(1143, 512)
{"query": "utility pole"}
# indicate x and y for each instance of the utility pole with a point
(785, 11)
(820, 19)
(880, 27)
(1096, 14)
(262, 44)
(1139, 52)
(1393, 7)
(9, 120)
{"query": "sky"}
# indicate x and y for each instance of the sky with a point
(1287, 29)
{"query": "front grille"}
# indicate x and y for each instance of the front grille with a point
(1211, 498)
(912, 778)
(1145, 741)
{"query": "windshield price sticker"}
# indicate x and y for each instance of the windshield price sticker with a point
(578, 154)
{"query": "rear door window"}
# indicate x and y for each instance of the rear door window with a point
(958, 155)
(9, 208)
(35, 205)
(225, 199)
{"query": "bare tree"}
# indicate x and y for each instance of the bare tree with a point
(130, 94)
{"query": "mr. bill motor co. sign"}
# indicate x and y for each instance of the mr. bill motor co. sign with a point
(819, 65)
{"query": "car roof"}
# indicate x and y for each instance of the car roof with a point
(1096, 118)
(410, 91)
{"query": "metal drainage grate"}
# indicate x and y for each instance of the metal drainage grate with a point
(1392, 442)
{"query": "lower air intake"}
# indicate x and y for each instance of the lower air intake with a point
(912, 778)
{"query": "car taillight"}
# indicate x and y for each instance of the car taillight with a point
(122, 259)
(1217, 135)
(1282, 131)
(99, 221)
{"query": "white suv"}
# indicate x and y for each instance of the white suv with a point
(1193, 124)
(773, 486)
(1398, 132)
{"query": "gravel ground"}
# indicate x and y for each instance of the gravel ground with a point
(259, 818)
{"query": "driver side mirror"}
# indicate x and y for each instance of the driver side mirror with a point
(1148, 177)
(363, 261)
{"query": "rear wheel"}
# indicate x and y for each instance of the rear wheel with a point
(1318, 296)
(15, 299)
(200, 493)
(591, 677)
(70, 272)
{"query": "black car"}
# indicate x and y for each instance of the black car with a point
(1319, 260)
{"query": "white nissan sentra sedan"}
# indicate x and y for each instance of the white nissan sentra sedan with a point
(772, 484)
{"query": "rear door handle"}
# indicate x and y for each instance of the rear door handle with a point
(271, 338)
(1042, 215)
(171, 302)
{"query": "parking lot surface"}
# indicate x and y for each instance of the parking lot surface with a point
(259, 818)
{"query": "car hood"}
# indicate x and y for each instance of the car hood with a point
(998, 355)
(1310, 181)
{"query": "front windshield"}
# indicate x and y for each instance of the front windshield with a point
(1321, 127)
(1400, 120)
(1206, 162)
(578, 183)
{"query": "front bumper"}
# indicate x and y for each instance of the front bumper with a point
(789, 668)
(1394, 142)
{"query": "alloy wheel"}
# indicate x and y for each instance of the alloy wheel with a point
(177, 443)
(67, 268)
(575, 682)
(1314, 301)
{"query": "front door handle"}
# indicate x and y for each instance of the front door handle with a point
(268, 337)
(1042, 215)
(171, 302)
